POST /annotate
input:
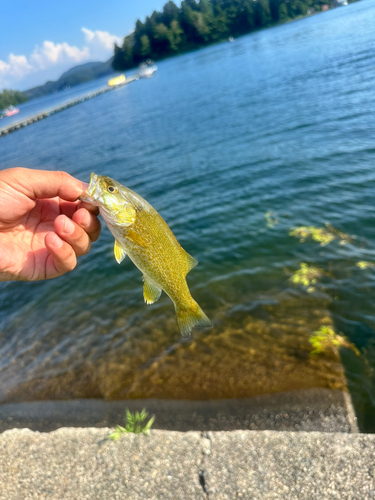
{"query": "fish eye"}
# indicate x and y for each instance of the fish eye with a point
(112, 189)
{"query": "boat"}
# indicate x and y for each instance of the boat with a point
(231, 39)
(11, 111)
(146, 70)
(117, 80)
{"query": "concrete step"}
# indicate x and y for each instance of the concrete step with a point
(78, 464)
(308, 410)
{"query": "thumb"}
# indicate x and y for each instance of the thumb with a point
(44, 184)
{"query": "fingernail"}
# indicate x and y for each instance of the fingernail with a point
(69, 226)
(56, 242)
(85, 185)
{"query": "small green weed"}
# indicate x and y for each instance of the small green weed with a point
(322, 235)
(363, 264)
(319, 234)
(326, 338)
(307, 276)
(271, 219)
(134, 422)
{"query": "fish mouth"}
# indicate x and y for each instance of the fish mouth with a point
(88, 196)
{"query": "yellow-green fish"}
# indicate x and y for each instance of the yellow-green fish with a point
(142, 234)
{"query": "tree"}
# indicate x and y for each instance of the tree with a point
(199, 22)
(170, 13)
(175, 33)
(145, 46)
(262, 15)
(161, 42)
(11, 98)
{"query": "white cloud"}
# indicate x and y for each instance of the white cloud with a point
(98, 45)
(101, 38)
(54, 53)
(17, 66)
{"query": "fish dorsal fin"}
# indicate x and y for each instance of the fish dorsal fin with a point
(191, 262)
(136, 238)
(120, 253)
(151, 292)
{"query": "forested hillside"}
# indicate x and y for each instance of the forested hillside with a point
(195, 24)
(79, 74)
(11, 98)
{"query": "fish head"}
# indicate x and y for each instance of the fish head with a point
(109, 196)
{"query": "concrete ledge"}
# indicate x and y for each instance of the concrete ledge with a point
(309, 410)
(78, 464)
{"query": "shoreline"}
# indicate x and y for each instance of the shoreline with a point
(309, 410)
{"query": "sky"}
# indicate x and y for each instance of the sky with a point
(40, 39)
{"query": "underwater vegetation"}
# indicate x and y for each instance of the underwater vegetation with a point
(307, 276)
(326, 339)
(322, 235)
(135, 423)
(363, 264)
(271, 219)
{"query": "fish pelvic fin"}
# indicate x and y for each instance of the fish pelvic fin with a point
(191, 317)
(120, 253)
(151, 292)
(191, 262)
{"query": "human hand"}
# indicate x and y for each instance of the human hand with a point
(43, 228)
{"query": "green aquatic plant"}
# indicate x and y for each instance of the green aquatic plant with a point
(319, 234)
(307, 276)
(135, 423)
(326, 339)
(271, 219)
(322, 235)
(363, 264)
(343, 237)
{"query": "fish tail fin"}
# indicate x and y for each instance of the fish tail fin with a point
(189, 317)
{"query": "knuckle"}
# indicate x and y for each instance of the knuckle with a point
(87, 248)
(63, 175)
(71, 264)
(70, 261)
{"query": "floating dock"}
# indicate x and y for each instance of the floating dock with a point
(44, 114)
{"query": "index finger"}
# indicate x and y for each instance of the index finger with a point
(44, 183)
(90, 208)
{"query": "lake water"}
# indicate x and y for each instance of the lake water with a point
(235, 145)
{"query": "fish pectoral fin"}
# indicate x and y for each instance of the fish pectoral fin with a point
(191, 262)
(151, 292)
(120, 253)
(136, 238)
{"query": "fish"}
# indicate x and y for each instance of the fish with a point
(142, 234)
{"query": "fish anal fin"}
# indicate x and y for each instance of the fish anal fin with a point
(191, 317)
(151, 292)
(120, 253)
(136, 238)
(191, 262)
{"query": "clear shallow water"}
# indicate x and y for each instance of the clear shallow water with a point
(281, 120)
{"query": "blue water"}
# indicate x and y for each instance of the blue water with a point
(45, 103)
(280, 121)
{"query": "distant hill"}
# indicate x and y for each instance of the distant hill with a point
(74, 76)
